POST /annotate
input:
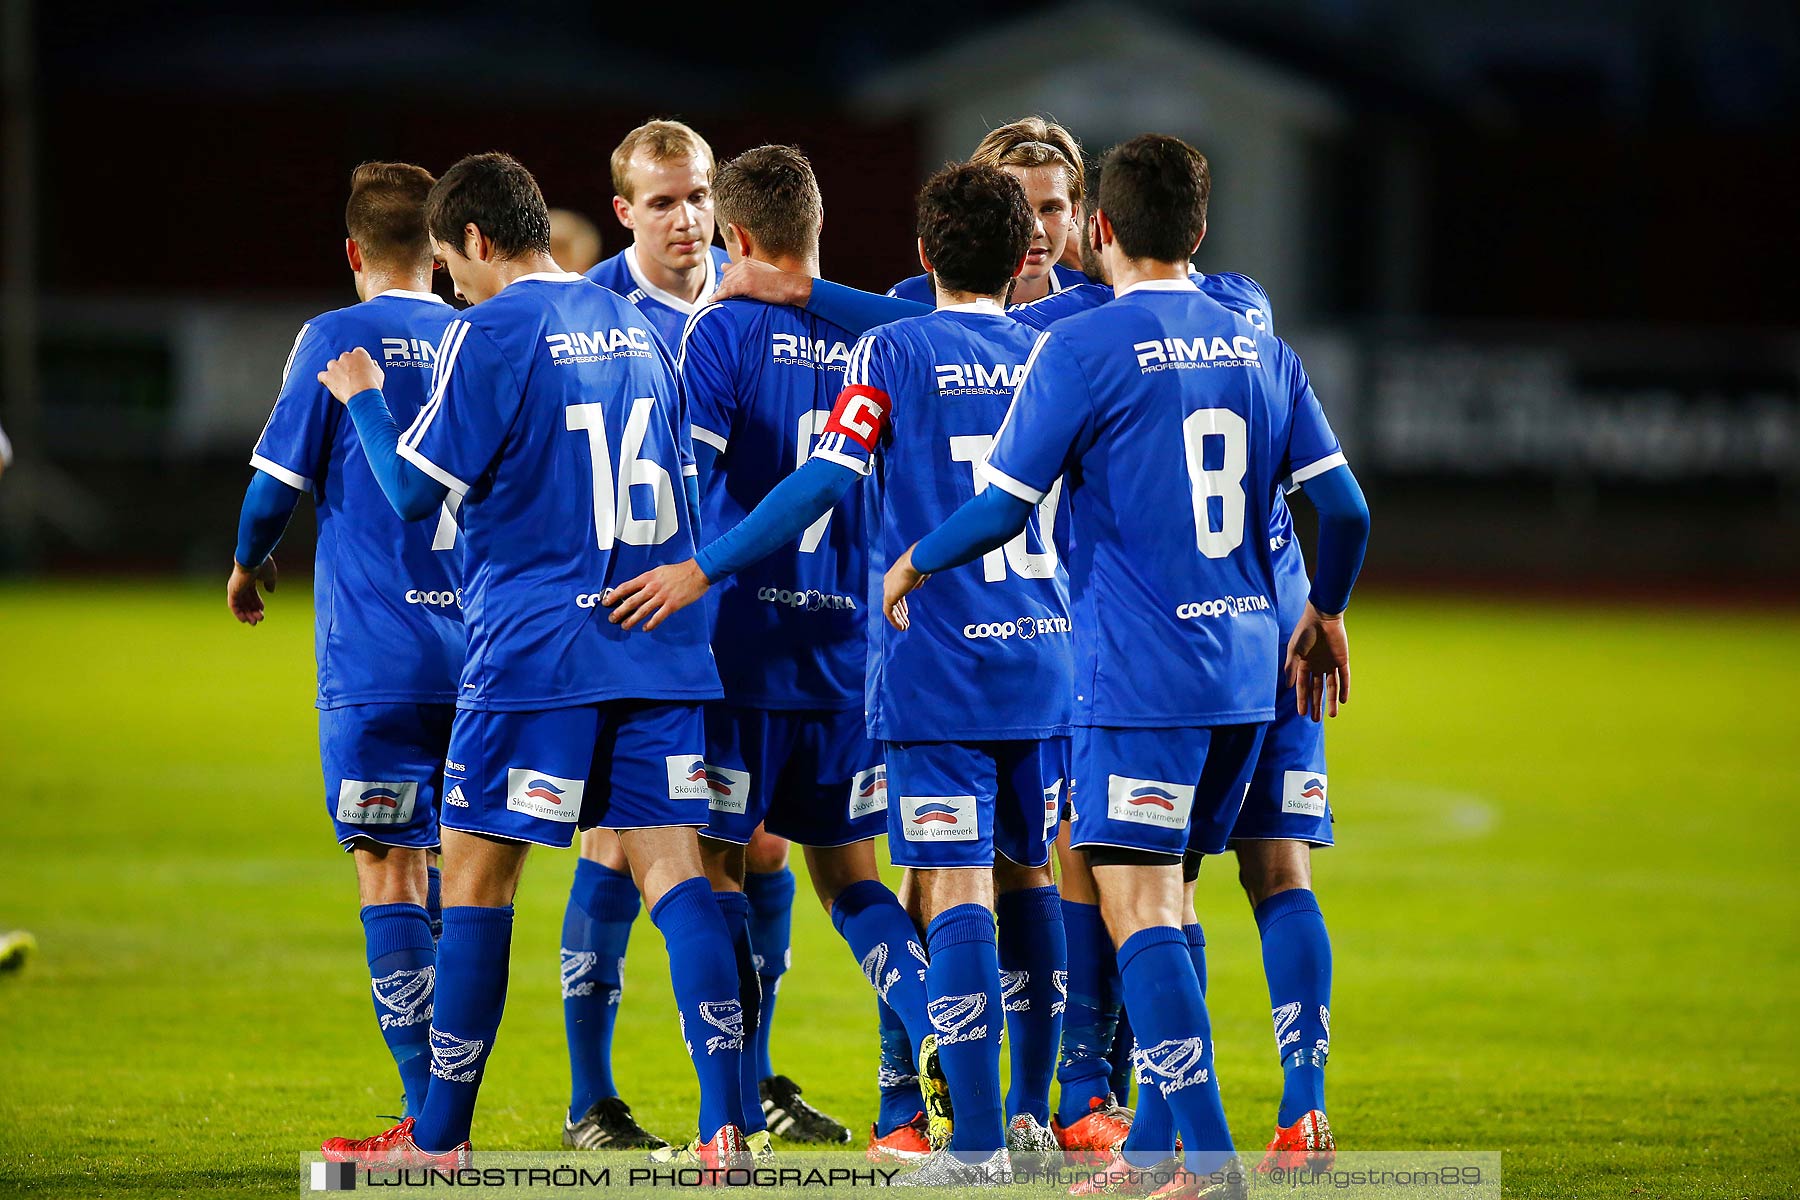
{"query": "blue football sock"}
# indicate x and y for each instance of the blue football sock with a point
(1034, 965)
(402, 970)
(1297, 959)
(434, 901)
(472, 961)
(1174, 1037)
(703, 968)
(882, 937)
(1153, 1128)
(771, 930)
(596, 928)
(897, 1075)
(735, 908)
(966, 1015)
(1092, 1015)
(1120, 1072)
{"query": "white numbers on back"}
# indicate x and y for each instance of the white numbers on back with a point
(812, 424)
(1226, 481)
(615, 515)
(972, 448)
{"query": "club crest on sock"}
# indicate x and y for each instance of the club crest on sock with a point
(1060, 979)
(1285, 1033)
(1012, 985)
(1173, 1064)
(954, 1018)
(727, 1016)
(918, 952)
(875, 970)
(406, 996)
(457, 1060)
(576, 966)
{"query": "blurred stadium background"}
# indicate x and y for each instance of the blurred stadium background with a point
(1540, 259)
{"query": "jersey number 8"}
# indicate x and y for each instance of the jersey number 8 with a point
(1226, 481)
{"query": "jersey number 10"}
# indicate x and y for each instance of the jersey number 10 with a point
(972, 448)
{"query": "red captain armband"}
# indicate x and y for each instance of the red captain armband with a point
(860, 414)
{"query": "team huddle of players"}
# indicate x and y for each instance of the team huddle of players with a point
(702, 555)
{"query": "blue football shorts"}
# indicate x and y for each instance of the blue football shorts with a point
(957, 804)
(384, 766)
(810, 776)
(539, 776)
(1287, 800)
(1161, 791)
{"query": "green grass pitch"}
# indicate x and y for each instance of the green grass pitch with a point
(1565, 913)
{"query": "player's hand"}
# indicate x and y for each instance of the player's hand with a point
(241, 596)
(900, 579)
(754, 280)
(656, 594)
(351, 372)
(1318, 664)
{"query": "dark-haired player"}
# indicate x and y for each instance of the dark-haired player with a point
(976, 783)
(388, 631)
(1161, 392)
(555, 417)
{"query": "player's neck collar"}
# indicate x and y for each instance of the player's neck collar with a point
(984, 305)
(1183, 284)
(549, 277)
(407, 294)
(669, 298)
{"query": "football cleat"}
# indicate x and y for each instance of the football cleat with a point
(1096, 1137)
(1227, 1185)
(935, 1088)
(793, 1118)
(958, 1168)
(728, 1150)
(910, 1142)
(608, 1125)
(15, 947)
(394, 1148)
(1120, 1178)
(1034, 1143)
(761, 1147)
(1305, 1143)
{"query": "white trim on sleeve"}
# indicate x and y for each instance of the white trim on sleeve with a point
(275, 470)
(861, 466)
(1008, 484)
(712, 439)
(1314, 470)
(438, 473)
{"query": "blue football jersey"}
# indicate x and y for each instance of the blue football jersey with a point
(387, 628)
(918, 289)
(555, 416)
(1160, 396)
(760, 380)
(988, 651)
(668, 313)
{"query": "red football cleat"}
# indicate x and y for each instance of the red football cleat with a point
(1096, 1137)
(1305, 1143)
(1120, 1178)
(909, 1143)
(394, 1148)
(1188, 1186)
(727, 1151)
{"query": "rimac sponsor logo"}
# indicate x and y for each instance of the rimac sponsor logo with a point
(792, 350)
(455, 1059)
(1186, 354)
(376, 802)
(404, 998)
(868, 792)
(1149, 801)
(540, 795)
(810, 600)
(727, 789)
(1221, 606)
(1023, 627)
(1303, 793)
(434, 599)
(687, 777)
(938, 818)
(598, 345)
(1173, 1064)
(407, 352)
(954, 1017)
(962, 379)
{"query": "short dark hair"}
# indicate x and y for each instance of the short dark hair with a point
(1153, 189)
(386, 212)
(772, 193)
(976, 225)
(495, 193)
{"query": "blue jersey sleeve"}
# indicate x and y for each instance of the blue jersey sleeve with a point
(707, 374)
(1312, 447)
(1051, 422)
(296, 442)
(859, 421)
(857, 311)
(475, 395)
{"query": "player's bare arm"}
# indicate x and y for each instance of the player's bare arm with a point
(749, 279)
(1318, 663)
(656, 594)
(241, 594)
(351, 373)
(901, 579)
